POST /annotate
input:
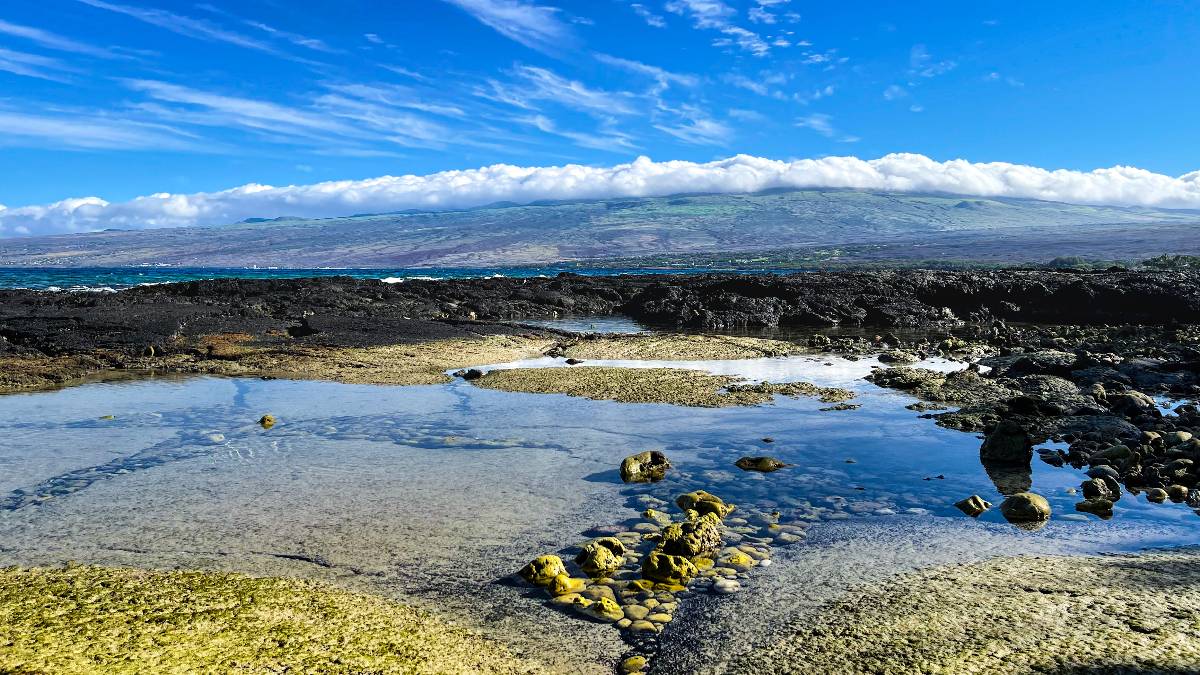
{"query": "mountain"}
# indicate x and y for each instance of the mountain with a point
(840, 225)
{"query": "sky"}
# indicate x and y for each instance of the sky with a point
(135, 113)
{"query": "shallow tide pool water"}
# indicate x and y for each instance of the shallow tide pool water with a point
(436, 494)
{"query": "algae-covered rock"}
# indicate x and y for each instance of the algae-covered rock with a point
(267, 421)
(668, 569)
(1096, 506)
(692, 538)
(702, 502)
(600, 558)
(645, 467)
(763, 464)
(564, 584)
(973, 506)
(605, 610)
(633, 664)
(542, 570)
(1025, 507)
(738, 560)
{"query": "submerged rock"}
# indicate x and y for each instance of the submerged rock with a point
(542, 570)
(267, 421)
(1096, 506)
(973, 506)
(763, 464)
(645, 467)
(703, 502)
(1025, 507)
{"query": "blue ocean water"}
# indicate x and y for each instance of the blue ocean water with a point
(116, 278)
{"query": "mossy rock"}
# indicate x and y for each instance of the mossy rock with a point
(702, 502)
(693, 538)
(645, 467)
(602, 557)
(564, 584)
(108, 620)
(668, 569)
(542, 570)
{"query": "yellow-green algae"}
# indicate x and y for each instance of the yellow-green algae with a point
(82, 619)
(677, 347)
(651, 385)
(1111, 614)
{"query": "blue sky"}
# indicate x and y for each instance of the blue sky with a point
(120, 98)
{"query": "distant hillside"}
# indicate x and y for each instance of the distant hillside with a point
(840, 225)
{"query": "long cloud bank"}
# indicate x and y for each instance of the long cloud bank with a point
(1123, 186)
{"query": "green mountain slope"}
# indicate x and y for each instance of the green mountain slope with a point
(835, 222)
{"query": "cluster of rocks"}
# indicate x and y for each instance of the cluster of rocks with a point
(1093, 389)
(635, 578)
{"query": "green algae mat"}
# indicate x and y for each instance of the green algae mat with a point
(91, 619)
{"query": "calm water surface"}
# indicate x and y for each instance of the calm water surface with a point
(436, 493)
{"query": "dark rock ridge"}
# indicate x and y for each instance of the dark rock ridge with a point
(350, 312)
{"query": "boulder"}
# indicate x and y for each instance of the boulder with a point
(763, 464)
(564, 584)
(698, 537)
(1096, 506)
(1025, 507)
(1156, 495)
(1007, 443)
(604, 610)
(702, 502)
(973, 506)
(602, 557)
(542, 570)
(267, 421)
(668, 569)
(1132, 404)
(645, 467)
(1095, 488)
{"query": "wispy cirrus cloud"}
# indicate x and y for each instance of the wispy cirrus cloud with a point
(535, 26)
(34, 65)
(664, 78)
(695, 126)
(54, 41)
(185, 25)
(78, 130)
(607, 138)
(718, 16)
(648, 16)
(533, 84)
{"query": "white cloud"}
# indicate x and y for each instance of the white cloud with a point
(894, 92)
(52, 41)
(818, 122)
(535, 26)
(32, 65)
(80, 131)
(665, 78)
(716, 15)
(650, 18)
(539, 84)
(460, 189)
(921, 63)
(184, 25)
